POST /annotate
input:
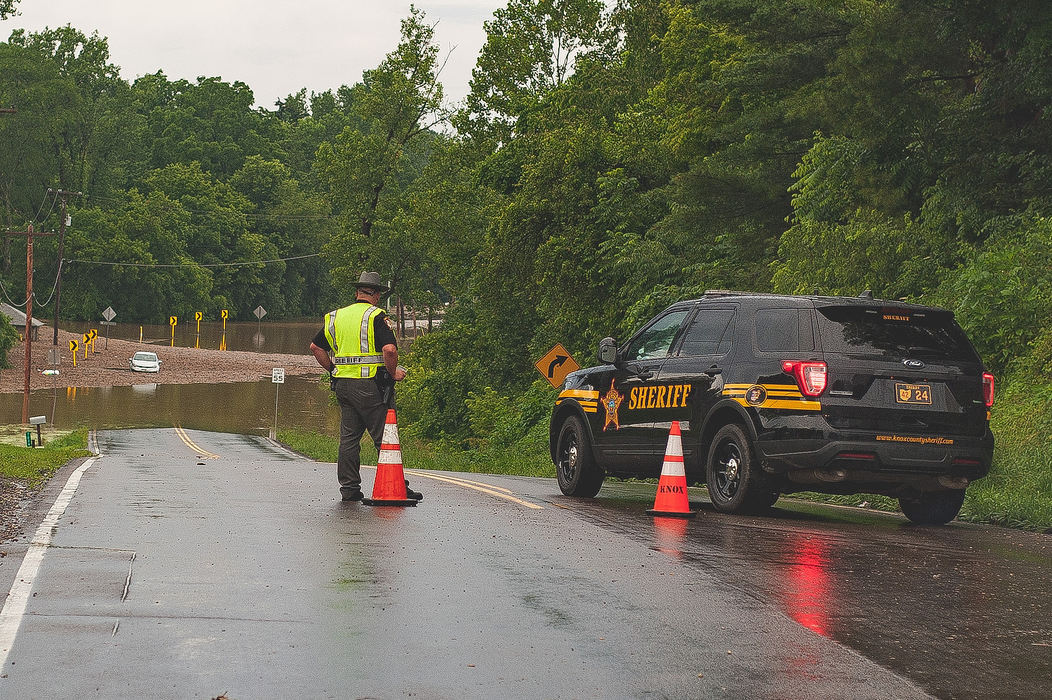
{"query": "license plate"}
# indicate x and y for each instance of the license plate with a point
(913, 393)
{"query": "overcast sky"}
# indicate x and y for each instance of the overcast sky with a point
(276, 48)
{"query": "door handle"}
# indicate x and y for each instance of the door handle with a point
(642, 372)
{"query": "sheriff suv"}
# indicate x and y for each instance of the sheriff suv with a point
(776, 394)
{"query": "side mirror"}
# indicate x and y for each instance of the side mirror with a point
(608, 351)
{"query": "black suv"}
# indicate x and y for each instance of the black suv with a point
(777, 394)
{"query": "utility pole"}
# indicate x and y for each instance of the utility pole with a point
(30, 234)
(61, 241)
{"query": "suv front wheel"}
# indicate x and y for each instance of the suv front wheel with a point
(932, 507)
(575, 467)
(731, 474)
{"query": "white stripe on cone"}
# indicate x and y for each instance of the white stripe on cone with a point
(674, 449)
(391, 434)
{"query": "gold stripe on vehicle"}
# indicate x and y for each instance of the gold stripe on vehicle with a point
(798, 405)
(579, 394)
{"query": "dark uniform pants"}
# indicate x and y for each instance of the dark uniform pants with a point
(361, 408)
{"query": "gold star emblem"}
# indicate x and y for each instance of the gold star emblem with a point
(612, 402)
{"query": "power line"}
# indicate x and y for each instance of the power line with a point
(191, 264)
(43, 202)
(53, 288)
(8, 296)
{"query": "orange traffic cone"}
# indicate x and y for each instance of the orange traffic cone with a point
(671, 496)
(389, 485)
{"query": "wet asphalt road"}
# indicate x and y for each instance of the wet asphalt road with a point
(189, 564)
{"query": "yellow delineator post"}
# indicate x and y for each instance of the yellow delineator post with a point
(140, 334)
(94, 334)
(172, 320)
(87, 339)
(73, 349)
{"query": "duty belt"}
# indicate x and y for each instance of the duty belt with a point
(359, 360)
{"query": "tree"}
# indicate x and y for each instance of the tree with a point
(530, 50)
(365, 169)
(7, 8)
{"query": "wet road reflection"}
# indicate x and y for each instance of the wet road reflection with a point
(966, 611)
(807, 590)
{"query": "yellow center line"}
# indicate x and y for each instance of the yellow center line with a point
(201, 452)
(475, 485)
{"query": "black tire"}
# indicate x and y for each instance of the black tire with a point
(731, 474)
(932, 507)
(575, 466)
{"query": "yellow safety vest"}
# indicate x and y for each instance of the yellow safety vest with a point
(352, 341)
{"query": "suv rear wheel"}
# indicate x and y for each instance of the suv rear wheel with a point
(575, 467)
(731, 474)
(933, 507)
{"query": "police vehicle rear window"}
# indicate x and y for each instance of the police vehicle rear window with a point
(891, 332)
(784, 330)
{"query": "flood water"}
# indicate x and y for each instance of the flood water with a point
(240, 407)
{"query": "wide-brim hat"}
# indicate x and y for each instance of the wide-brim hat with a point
(371, 279)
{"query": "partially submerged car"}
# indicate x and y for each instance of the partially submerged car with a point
(145, 362)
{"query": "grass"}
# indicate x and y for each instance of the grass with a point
(420, 455)
(33, 466)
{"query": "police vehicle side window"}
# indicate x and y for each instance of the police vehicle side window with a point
(709, 333)
(784, 330)
(656, 340)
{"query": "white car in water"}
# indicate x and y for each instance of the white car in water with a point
(145, 362)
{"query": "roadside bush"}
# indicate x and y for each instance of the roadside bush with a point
(498, 420)
(1002, 295)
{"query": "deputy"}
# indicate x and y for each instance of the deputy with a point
(358, 349)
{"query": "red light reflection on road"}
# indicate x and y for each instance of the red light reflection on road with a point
(807, 593)
(669, 534)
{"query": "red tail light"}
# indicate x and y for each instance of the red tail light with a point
(988, 389)
(810, 376)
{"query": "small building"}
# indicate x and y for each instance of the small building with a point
(18, 320)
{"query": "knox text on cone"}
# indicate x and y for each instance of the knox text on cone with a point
(389, 486)
(671, 496)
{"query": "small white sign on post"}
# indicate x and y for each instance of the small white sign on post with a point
(277, 377)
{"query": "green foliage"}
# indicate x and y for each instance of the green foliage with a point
(8, 340)
(366, 169)
(1018, 490)
(1003, 294)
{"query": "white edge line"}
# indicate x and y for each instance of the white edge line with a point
(18, 598)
